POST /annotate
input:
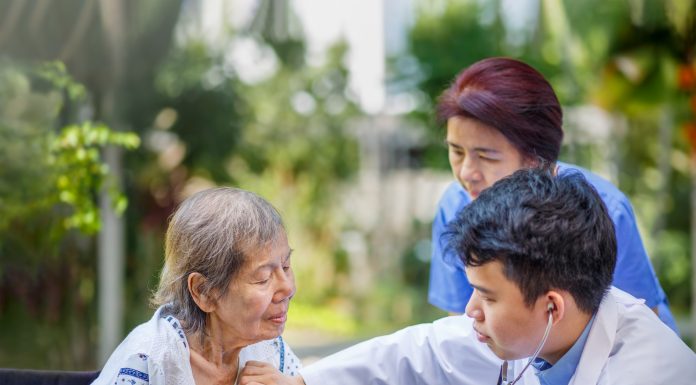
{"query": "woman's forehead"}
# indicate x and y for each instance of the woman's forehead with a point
(272, 251)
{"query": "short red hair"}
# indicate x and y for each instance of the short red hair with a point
(513, 98)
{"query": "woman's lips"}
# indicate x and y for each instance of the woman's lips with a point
(279, 318)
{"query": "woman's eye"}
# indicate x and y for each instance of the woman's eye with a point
(286, 264)
(487, 158)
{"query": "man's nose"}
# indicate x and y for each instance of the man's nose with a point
(473, 309)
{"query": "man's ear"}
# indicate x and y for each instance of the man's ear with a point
(555, 303)
(204, 300)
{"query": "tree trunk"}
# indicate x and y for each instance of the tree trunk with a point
(110, 267)
(111, 237)
(693, 242)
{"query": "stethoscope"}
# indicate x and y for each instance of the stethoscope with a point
(503, 378)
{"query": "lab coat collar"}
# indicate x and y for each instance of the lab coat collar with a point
(599, 342)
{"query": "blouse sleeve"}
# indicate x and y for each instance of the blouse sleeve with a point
(136, 369)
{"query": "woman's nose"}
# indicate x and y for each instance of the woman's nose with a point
(468, 172)
(286, 286)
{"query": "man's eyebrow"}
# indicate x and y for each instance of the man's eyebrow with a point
(483, 289)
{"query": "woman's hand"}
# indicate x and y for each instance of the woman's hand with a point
(262, 373)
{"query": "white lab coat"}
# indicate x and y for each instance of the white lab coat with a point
(627, 345)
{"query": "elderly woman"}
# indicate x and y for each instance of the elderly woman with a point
(222, 299)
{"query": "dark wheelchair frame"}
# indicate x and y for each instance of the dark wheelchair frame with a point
(46, 377)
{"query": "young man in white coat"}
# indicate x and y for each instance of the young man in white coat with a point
(539, 251)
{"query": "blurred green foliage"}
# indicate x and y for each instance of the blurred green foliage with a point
(51, 172)
(82, 172)
(48, 281)
(60, 169)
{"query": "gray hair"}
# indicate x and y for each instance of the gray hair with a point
(213, 233)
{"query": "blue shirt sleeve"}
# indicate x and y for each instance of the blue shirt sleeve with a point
(449, 288)
(634, 273)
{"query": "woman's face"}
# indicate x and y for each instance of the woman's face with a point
(479, 154)
(255, 306)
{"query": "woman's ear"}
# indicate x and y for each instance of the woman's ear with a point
(204, 301)
(529, 161)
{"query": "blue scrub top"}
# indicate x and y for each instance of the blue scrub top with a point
(450, 289)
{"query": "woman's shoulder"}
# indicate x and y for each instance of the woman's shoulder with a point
(161, 333)
(610, 194)
(148, 350)
(452, 200)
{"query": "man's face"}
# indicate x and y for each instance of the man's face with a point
(480, 155)
(502, 320)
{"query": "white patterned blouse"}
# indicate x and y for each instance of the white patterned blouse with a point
(157, 353)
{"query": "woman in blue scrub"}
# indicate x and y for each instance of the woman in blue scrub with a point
(502, 115)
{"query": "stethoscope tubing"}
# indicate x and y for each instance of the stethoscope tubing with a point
(503, 373)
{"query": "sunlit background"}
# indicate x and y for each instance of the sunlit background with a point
(112, 112)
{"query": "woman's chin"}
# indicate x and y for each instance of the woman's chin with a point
(273, 331)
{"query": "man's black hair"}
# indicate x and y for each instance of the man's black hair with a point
(549, 232)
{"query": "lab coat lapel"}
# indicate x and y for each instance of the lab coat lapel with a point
(599, 343)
